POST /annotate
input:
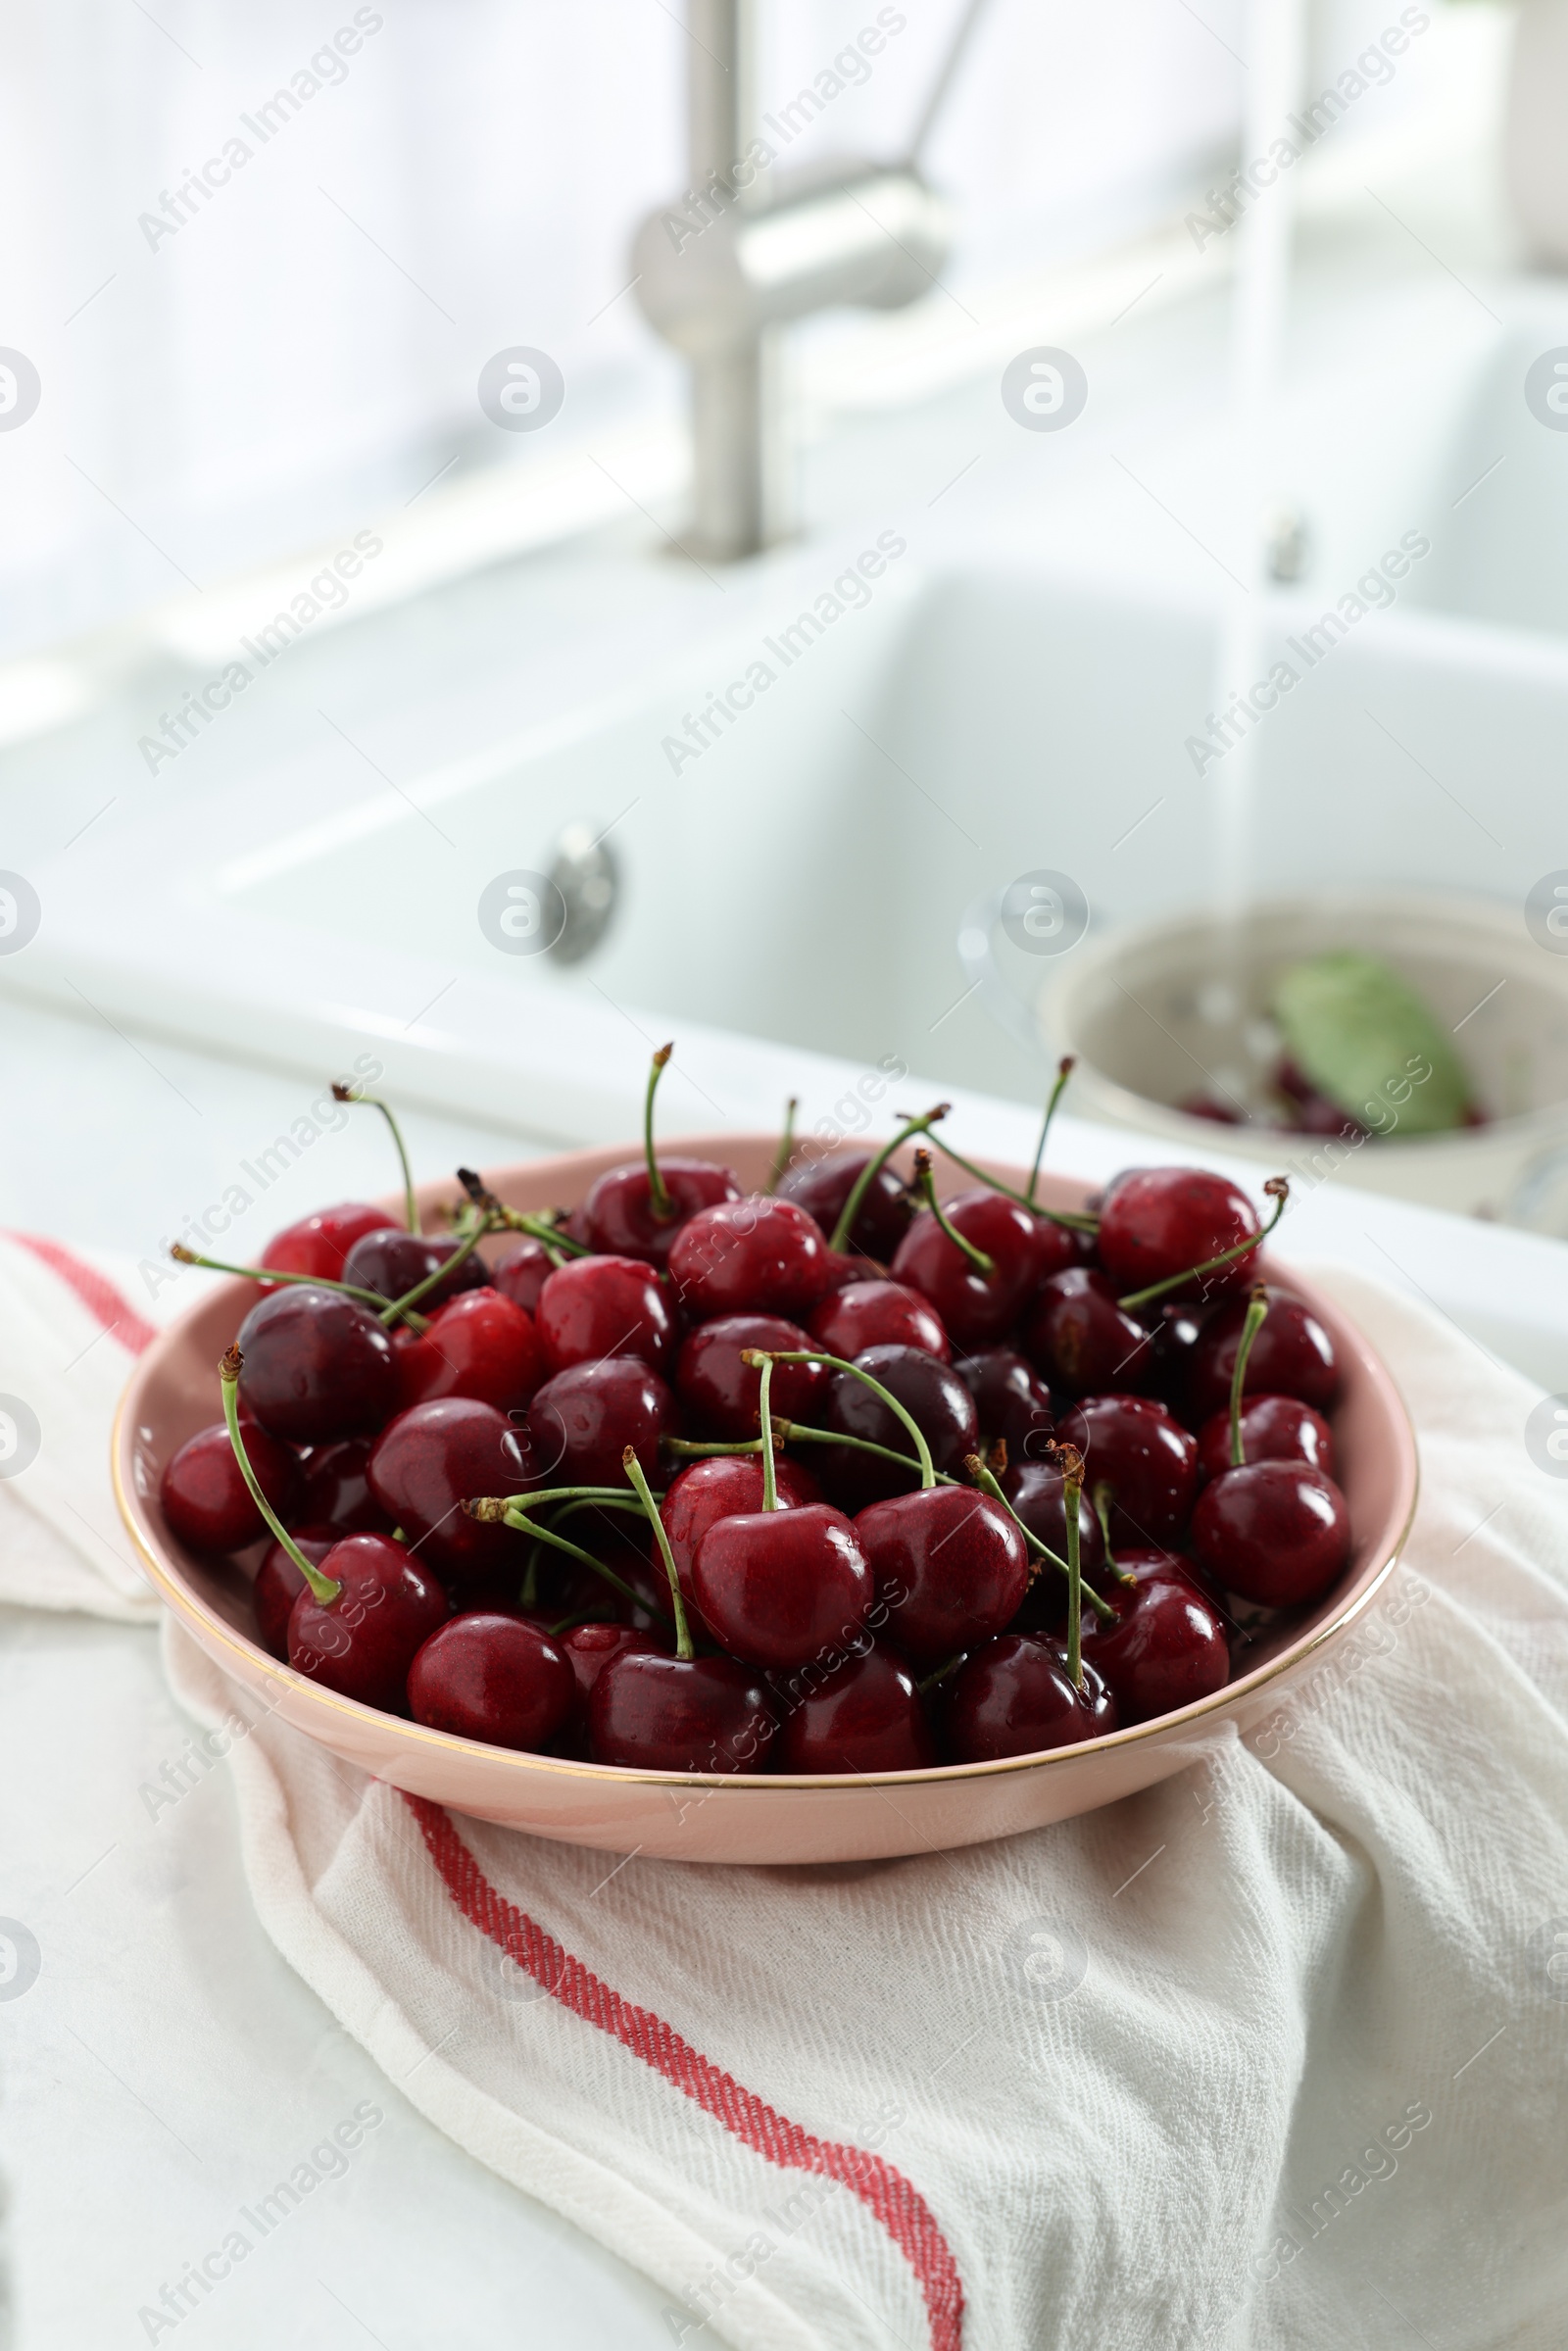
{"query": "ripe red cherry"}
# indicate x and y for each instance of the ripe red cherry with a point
(617, 1216)
(336, 1488)
(1010, 1401)
(1013, 1698)
(775, 1587)
(951, 1568)
(1167, 1647)
(974, 1306)
(494, 1677)
(598, 1306)
(750, 1256)
(317, 1366)
(1292, 1355)
(588, 1649)
(867, 1716)
(680, 1714)
(1034, 1489)
(1276, 1532)
(866, 1314)
(1274, 1428)
(363, 1642)
(724, 1485)
(1078, 1336)
(432, 1459)
(1134, 1445)
(720, 1389)
(479, 1345)
(278, 1582)
(394, 1263)
(823, 1187)
(931, 1393)
(205, 1498)
(318, 1244)
(582, 1421)
(1156, 1222)
(522, 1273)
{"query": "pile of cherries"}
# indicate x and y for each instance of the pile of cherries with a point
(840, 1477)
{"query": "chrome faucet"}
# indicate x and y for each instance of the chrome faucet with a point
(724, 271)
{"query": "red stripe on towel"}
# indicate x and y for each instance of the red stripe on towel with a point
(899, 2207)
(94, 1290)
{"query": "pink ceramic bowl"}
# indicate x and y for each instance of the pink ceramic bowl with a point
(698, 1817)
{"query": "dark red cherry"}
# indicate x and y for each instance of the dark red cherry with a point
(1176, 1326)
(1167, 1647)
(750, 1256)
(337, 1490)
(278, 1582)
(588, 1649)
(1034, 1489)
(206, 1499)
(823, 1187)
(1135, 1447)
(1081, 1340)
(1274, 1428)
(569, 1588)
(392, 1263)
(1292, 1355)
(724, 1485)
(867, 1716)
(432, 1459)
(974, 1306)
(1276, 1532)
(680, 1714)
(582, 1421)
(1010, 1401)
(318, 1244)
(479, 1345)
(598, 1306)
(617, 1216)
(317, 1366)
(1156, 1222)
(931, 1393)
(775, 1587)
(951, 1568)
(363, 1642)
(523, 1272)
(866, 1314)
(1013, 1698)
(493, 1678)
(721, 1390)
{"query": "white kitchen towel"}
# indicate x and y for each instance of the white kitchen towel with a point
(1270, 2056)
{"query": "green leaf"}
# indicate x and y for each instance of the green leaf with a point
(1362, 1036)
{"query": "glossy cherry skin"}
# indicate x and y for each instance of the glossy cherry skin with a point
(337, 1490)
(479, 1345)
(1276, 1532)
(1168, 1645)
(724, 1485)
(362, 1643)
(866, 1314)
(588, 1649)
(1293, 1354)
(317, 1366)
(1274, 1428)
(1013, 1698)
(934, 1395)
(317, 1244)
(1143, 1453)
(492, 1677)
(951, 1568)
(867, 1716)
(617, 1216)
(598, 1306)
(569, 1588)
(582, 1421)
(751, 1256)
(1034, 1490)
(673, 1714)
(720, 1392)
(976, 1307)
(775, 1587)
(521, 1273)
(1082, 1340)
(1156, 1222)
(392, 1263)
(205, 1497)
(278, 1584)
(1010, 1401)
(821, 1187)
(434, 1458)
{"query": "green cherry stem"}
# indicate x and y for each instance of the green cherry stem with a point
(765, 1423)
(663, 1205)
(545, 1228)
(460, 1257)
(263, 1273)
(786, 1147)
(928, 1475)
(1277, 1189)
(1076, 1220)
(325, 1587)
(1065, 1070)
(988, 1485)
(357, 1094)
(839, 1238)
(1070, 1463)
(634, 1470)
(522, 1524)
(1102, 1496)
(926, 1191)
(1256, 1309)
